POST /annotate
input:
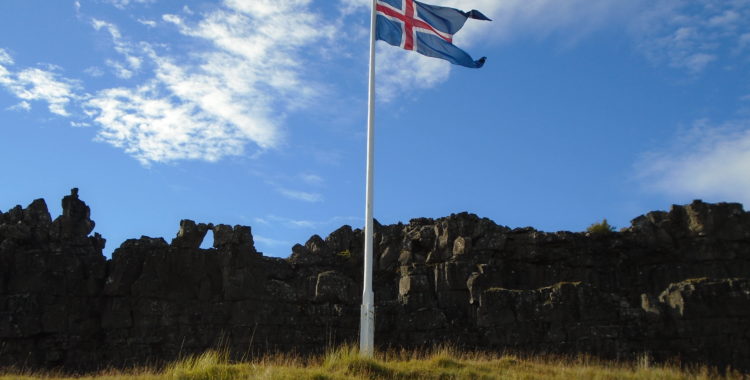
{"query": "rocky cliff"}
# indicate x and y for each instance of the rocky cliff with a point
(674, 285)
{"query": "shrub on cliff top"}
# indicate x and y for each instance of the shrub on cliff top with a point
(600, 228)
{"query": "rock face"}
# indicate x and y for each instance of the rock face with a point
(674, 284)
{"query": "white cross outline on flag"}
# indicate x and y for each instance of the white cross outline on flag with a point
(411, 23)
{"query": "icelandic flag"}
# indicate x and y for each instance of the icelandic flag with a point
(426, 29)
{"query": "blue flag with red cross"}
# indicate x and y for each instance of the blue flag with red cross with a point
(426, 29)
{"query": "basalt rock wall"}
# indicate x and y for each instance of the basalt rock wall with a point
(673, 285)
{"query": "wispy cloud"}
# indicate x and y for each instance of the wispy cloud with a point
(683, 34)
(152, 128)
(301, 195)
(94, 71)
(132, 63)
(401, 72)
(203, 105)
(348, 7)
(37, 84)
(691, 35)
(43, 85)
(23, 106)
(149, 23)
(5, 58)
(289, 222)
(289, 185)
(312, 224)
(250, 68)
(523, 18)
(215, 101)
(686, 35)
(312, 179)
(255, 38)
(707, 161)
(261, 221)
(122, 4)
(268, 242)
(568, 19)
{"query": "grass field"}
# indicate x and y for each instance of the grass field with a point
(441, 363)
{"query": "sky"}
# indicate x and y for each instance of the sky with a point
(254, 113)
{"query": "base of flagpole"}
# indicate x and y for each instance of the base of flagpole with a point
(367, 330)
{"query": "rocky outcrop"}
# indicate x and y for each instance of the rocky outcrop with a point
(51, 276)
(674, 284)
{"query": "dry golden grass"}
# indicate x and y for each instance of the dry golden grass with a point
(439, 363)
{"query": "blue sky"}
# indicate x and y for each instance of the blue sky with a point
(253, 113)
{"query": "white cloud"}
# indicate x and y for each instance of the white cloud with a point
(261, 221)
(267, 8)
(540, 18)
(268, 242)
(22, 106)
(36, 84)
(285, 184)
(132, 63)
(149, 23)
(311, 224)
(348, 7)
(120, 70)
(301, 195)
(683, 34)
(212, 102)
(174, 19)
(293, 222)
(153, 127)
(728, 19)
(5, 58)
(312, 179)
(94, 71)
(708, 161)
(222, 89)
(122, 4)
(697, 62)
(400, 71)
(265, 38)
(691, 35)
(519, 18)
(5, 74)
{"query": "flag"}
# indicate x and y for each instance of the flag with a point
(426, 29)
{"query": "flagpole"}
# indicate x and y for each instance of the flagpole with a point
(367, 315)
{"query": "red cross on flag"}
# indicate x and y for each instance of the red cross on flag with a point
(426, 29)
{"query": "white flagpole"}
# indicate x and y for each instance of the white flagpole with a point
(367, 315)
